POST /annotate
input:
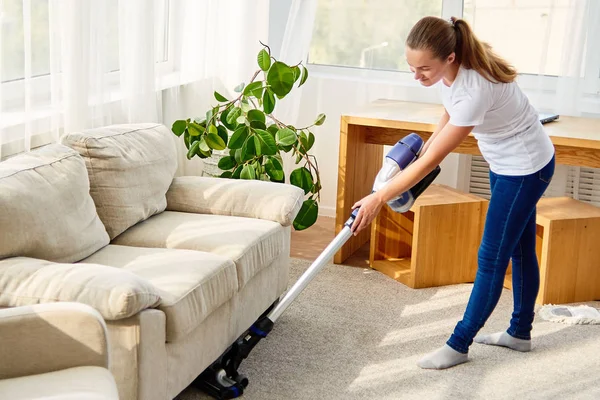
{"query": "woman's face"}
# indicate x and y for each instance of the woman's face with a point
(428, 70)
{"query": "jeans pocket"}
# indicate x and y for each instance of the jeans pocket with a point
(546, 173)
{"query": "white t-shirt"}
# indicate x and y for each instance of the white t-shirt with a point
(507, 128)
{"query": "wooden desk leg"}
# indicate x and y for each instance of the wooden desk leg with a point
(359, 164)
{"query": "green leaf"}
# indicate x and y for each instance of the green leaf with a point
(248, 172)
(193, 150)
(304, 76)
(186, 139)
(249, 150)
(236, 174)
(307, 141)
(286, 148)
(267, 143)
(268, 101)
(238, 156)
(258, 125)
(213, 129)
(254, 87)
(285, 137)
(195, 129)
(239, 87)
(307, 215)
(256, 115)
(311, 140)
(223, 118)
(281, 78)
(273, 129)
(245, 106)
(222, 132)
(302, 178)
(239, 137)
(204, 147)
(234, 113)
(215, 141)
(257, 145)
(241, 119)
(179, 127)
(320, 119)
(227, 163)
(264, 60)
(274, 169)
(297, 72)
(220, 97)
(226, 174)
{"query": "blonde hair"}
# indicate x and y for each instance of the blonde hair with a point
(442, 38)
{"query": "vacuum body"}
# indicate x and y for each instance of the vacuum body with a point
(222, 379)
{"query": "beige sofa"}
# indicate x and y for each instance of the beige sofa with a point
(56, 351)
(178, 267)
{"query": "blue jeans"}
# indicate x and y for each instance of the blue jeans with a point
(510, 231)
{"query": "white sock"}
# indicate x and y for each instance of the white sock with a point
(444, 357)
(505, 340)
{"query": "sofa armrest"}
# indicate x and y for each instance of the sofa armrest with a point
(272, 201)
(51, 337)
(115, 293)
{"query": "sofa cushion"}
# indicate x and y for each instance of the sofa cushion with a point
(90, 383)
(192, 284)
(130, 167)
(251, 243)
(115, 293)
(45, 207)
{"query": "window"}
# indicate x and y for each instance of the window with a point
(366, 34)
(530, 34)
(522, 31)
(24, 29)
(25, 34)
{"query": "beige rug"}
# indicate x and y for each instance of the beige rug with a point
(357, 334)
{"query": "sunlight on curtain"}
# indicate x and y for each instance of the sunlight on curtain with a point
(68, 65)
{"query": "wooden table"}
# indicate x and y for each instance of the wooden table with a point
(384, 122)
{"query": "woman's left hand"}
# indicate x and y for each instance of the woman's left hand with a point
(369, 208)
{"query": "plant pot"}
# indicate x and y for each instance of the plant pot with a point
(211, 164)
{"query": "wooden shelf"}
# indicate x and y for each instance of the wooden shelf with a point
(508, 281)
(395, 268)
(434, 243)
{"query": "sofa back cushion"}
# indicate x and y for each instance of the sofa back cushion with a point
(45, 207)
(130, 168)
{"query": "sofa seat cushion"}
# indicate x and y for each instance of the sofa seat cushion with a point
(130, 166)
(46, 210)
(90, 383)
(192, 284)
(114, 293)
(251, 243)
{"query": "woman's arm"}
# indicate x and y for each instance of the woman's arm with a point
(443, 121)
(448, 139)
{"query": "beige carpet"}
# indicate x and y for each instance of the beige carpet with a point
(357, 334)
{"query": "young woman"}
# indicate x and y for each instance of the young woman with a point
(480, 95)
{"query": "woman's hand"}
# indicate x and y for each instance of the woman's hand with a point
(369, 208)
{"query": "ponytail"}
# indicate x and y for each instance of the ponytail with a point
(442, 38)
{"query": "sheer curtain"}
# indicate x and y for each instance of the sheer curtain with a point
(67, 65)
(571, 53)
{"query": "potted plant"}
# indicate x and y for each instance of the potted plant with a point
(253, 139)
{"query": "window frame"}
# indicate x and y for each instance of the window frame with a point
(13, 91)
(528, 82)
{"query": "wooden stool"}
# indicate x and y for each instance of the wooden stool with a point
(568, 250)
(433, 244)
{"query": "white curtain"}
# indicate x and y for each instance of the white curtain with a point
(577, 54)
(67, 65)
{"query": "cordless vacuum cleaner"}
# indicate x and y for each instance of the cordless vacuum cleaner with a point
(222, 380)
